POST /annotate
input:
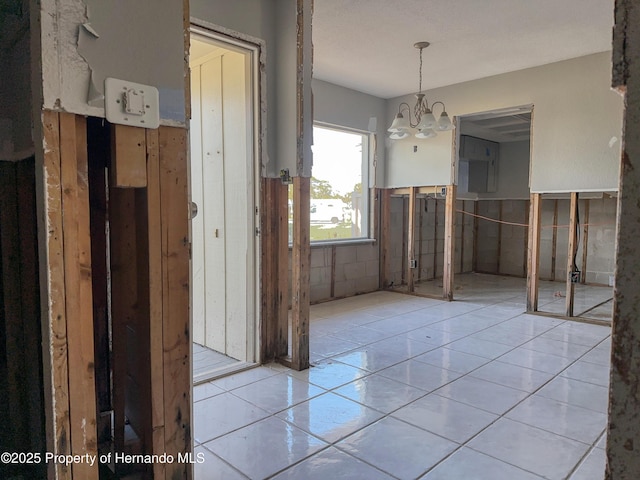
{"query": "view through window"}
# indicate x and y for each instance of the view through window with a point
(339, 189)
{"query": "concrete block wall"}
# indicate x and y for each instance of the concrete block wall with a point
(429, 238)
(601, 242)
(356, 270)
(502, 247)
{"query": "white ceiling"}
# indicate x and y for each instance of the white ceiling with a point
(367, 45)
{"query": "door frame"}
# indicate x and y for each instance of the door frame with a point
(257, 90)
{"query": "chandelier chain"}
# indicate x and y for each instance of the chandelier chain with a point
(420, 82)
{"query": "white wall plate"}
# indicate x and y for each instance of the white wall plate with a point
(129, 103)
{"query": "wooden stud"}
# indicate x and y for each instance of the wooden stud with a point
(123, 256)
(283, 296)
(411, 239)
(525, 220)
(474, 260)
(269, 265)
(129, 156)
(79, 305)
(571, 251)
(385, 236)
(155, 295)
(175, 307)
(274, 245)
(533, 261)
(301, 259)
(585, 240)
(500, 208)
(554, 240)
(462, 237)
(435, 239)
(54, 336)
(420, 218)
(449, 243)
(405, 274)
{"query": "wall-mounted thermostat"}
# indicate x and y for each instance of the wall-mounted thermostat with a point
(129, 103)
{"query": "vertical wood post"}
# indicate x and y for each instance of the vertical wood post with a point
(463, 215)
(554, 240)
(411, 239)
(571, 252)
(79, 301)
(449, 243)
(54, 331)
(474, 260)
(500, 207)
(385, 232)
(533, 262)
(404, 240)
(526, 237)
(435, 239)
(585, 240)
(301, 259)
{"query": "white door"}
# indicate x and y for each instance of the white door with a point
(222, 182)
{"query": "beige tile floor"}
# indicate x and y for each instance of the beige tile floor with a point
(408, 387)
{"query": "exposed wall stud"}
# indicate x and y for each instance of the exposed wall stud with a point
(571, 253)
(449, 243)
(533, 262)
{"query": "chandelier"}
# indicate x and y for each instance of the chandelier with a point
(425, 121)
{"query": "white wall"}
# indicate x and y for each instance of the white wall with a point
(344, 107)
(134, 42)
(274, 23)
(577, 124)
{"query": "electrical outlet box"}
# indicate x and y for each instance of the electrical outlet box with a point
(575, 276)
(413, 264)
(443, 190)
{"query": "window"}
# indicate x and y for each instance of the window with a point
(339, 185)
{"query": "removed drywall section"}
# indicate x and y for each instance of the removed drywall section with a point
(16, 142)
(83, 43)
(570, 151)
(344, 107)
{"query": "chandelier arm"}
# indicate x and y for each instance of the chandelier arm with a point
(444, 109)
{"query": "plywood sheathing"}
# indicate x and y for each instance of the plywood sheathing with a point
(623, 433)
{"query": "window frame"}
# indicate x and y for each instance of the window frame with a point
(366, 224)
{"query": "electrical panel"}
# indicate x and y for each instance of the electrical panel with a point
(478, 165)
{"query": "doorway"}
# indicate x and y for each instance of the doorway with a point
(225, 211)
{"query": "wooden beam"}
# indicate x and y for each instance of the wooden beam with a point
(554, 240)
(411, 239)
(435, 238)
(385, 236)
(405, 274)
(585, 240)
(175, 295)
(282, 306)
(420, 218)
(474, 260)
(525, 220)
(301, 259)
(462, 237)
(124, 298)
(533, 261)
(500, 208)
(78, 299)
(155, 295)
(54, 331)
(274, 266)
(449, 243)
(571, 252)
(128, 156)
